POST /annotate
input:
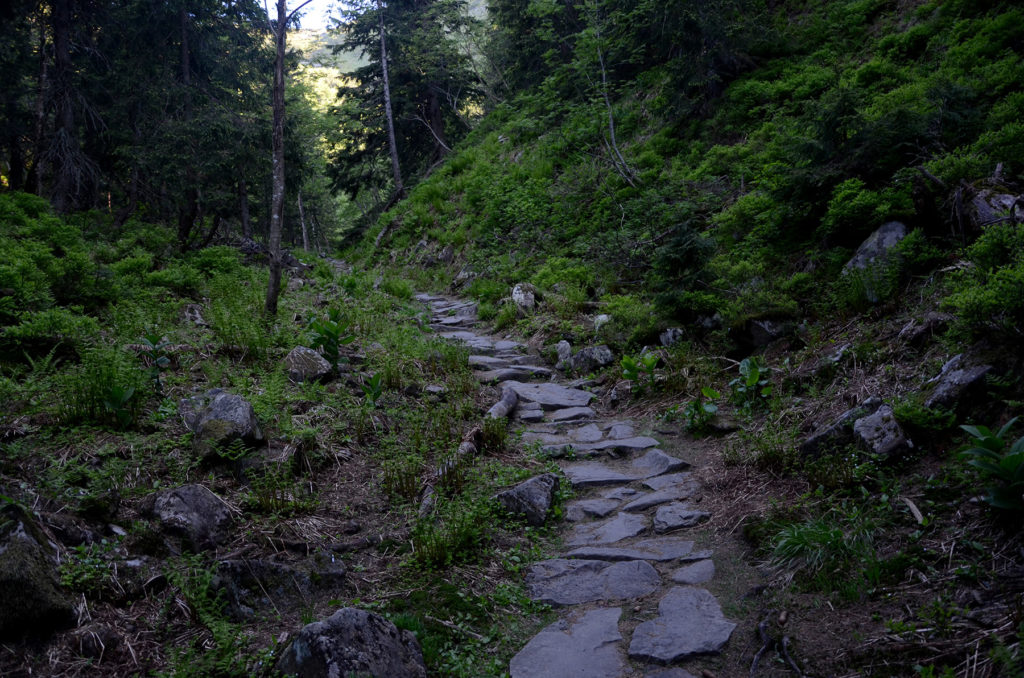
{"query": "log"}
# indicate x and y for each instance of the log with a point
(503, 407)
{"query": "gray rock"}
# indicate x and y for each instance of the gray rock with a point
(671, 336)
(674, 672)
(990, 206)
(765, 331)
(572, 414)
(622, 526)
(880, 434)
(877, 249)
(621, 445)
(531, 498)
(524, 298)
(353, 642)
(191, 512)
(673, 480)
(601, 320)
(502, 345)
(530, 416)
(594, 475)
(550, 396)
(655, 463)
(957, 384)
(571, 582)
(592, 358)
(512, 372)
(586, 434)
(695, 573)
(590, 508)
(659, 550)
(689, 622)
(487, 362)
(305, 364)
(619, 431)
(675, 516)
(670, 493)
(921, 330)
(32, 597)
(839, 433)
(218, 417)
(250, 586)
(564, 350)
(587, 647)
(619, 493)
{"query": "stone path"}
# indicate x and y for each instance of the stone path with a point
(625, 538)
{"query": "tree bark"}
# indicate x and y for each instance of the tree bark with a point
(302, 221)
(66, 180)
(187, 212)
(392, 146)
(277, 145)
(243, 207)
(40, 126)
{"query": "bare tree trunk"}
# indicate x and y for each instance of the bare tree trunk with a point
(187, 212)
(243, 206)
(277, 192)
(302, 221)
(392, 146)
(66, 181)
(37, 159)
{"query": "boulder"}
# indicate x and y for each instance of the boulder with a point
(671, 336)
(591, 358)
(218, 417)
(955, 383)
(193, 513)
(523, 296)
(877, 249)
(564, 349)
(249, 586)
(32, 598)
(766, 331)
(353, 642)
(531, 498)
(989, 207)
(880, 434)
(839, 433)
(601, 320)
(305, 364)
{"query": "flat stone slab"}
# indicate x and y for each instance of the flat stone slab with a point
(571, 414)
(620, 493)
(695, 573)
(623, 445)
(670, 480)
(670, 493)
(550, 396)
(487, 362)
(677, 515)
(586, 434)
(655, 463)
(622, 526)
(543, 437)
(618, 431)
(689, 622)
(659, 550)
(594, 474)
(512, 372)
(589, 508)
(585, 648)
(674, 672)
(571, 582)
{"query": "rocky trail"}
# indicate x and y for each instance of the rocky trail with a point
(625, 543)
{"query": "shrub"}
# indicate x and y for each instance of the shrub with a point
(1001, 463)
(104, 390)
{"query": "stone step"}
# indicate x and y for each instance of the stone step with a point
(570, 582)
(549, 396)
(689, 622)
(615, 529)
(587, 644)
(660, 550)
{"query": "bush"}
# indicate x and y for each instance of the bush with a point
(40, 331)
(106, 389)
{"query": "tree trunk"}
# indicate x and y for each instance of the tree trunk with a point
(66, 179)
(188, 211)
(392, 146)
(277, 191)
(40, 126)
(243, 206)
(302, 221)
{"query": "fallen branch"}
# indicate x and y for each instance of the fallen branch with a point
(502, 408)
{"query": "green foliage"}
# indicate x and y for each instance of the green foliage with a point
(103, 390)
(155, 358)
(86, 570)
(494, 437)
(397, 287)
(701, 410)
(274, 491)
(824, 549)
(330, 333)
(373, 389)
(634, 367)
(989, 297)
(1001, 463)
(753, 388)
(923, 421)
(453, 533)
(400, 477)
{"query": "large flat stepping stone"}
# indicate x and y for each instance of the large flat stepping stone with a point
(589, 508)
(620, 430)
(550, 396)
(512, 372)
(670, 493)
(545, 437)
(659, 550)
(571, 414)
(487, 362)
(623, 445)
(594, 474)
(586, 434)
(664, 482)
(690, 622)
(656, 462)
(622, 526)
(673, 672)
(695, 573)
(677, 515)
(571, 582)
(620, 493)
(586, 648)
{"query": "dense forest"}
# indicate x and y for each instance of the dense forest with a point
(784, 238)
